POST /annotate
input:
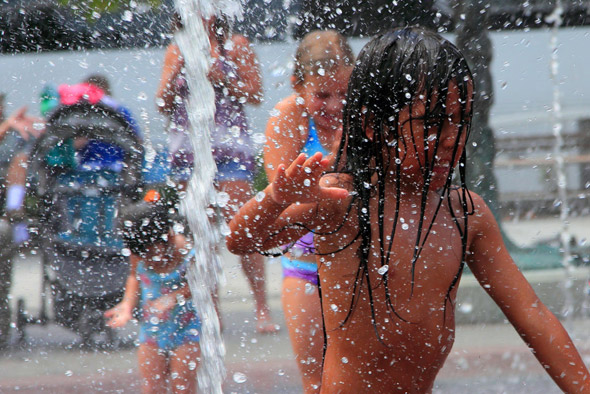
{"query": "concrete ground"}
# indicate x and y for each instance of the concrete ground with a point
(486, 358)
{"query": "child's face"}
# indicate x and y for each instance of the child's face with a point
(412, 127)
(324, 97)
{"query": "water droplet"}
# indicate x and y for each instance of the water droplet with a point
(299, 100)
(69, 372)
(322, 72)
(260, 196)
(222, 199)
(405, 226)
(408, 95)
(224, 229)
(127, 16)
(235, 131)
(344, 360)
(466, 308)
(240, 377)
(408, 77)
(259, 138)
(142, 96)
(306, 182)
(281, 372)
(383, 270)
(308, 288)
(307, 170)
(334, 307)
(126, 252)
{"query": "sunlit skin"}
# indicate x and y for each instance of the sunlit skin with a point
(159, 371)
(321, 97)
(414, 345)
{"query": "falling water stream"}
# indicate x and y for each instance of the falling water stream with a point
(559, 166)
(205, 273)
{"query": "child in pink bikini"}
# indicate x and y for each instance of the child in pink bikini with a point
(308, 121)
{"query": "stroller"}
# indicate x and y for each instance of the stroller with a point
(84, 267)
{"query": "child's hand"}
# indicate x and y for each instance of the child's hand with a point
(300, 183)
(160, 306)
(119, 315)
(27, 126)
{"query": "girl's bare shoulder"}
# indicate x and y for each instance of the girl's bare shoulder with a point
(289, 106)
(481, 219)
(286, 117)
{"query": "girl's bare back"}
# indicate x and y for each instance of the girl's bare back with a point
(404, 351)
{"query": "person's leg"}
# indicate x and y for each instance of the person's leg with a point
(239, 192)
(303, 316)
(5, 282)
(15, 195)
(184, 362)
(153, 368)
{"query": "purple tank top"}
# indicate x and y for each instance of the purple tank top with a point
(230, 140)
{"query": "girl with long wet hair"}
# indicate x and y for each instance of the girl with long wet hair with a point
(394, 226)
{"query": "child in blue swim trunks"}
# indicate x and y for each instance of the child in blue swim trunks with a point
(169, 325)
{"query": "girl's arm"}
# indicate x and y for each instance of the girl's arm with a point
(167, 92)
(290, 200)
(284, 140)
(120, 314)
(495, 270)
(247, 84)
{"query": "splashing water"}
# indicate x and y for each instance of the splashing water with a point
(205, 273)
(568, 308)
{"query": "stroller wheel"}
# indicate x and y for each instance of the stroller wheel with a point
(21, 321)
(67, 307)
(92, 323)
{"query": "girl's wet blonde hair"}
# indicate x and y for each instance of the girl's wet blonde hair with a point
(321, 50)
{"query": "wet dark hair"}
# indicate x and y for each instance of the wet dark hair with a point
(392, 72)
(176, 22)
(144, 224)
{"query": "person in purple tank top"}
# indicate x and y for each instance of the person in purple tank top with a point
(235, 76)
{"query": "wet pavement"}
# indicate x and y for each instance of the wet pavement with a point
(486, 358)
